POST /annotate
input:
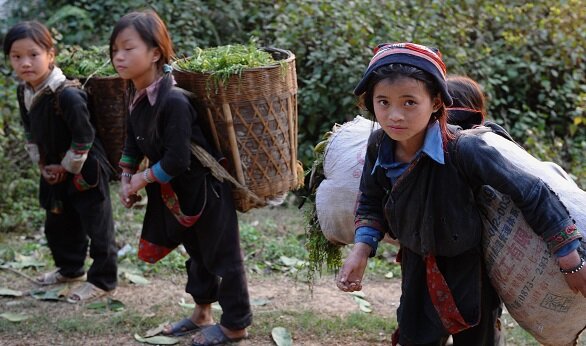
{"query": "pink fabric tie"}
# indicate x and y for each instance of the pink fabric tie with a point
(442, 298)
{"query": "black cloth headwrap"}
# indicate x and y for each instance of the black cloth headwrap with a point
(464, 117)
(412, 54)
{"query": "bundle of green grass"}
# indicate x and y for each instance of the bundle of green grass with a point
(321, 252)
(78, 62)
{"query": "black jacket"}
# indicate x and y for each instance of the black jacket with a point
(55, 126)
(431, 210)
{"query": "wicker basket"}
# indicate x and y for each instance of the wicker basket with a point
(252, 118)
(108, 101)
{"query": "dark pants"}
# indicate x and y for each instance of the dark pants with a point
(86, 220)
(215, 270)
(482, 334)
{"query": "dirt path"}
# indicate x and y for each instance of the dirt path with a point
(161, 296)
(286, 294)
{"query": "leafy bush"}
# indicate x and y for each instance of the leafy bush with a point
(527, 55)
(19, 207)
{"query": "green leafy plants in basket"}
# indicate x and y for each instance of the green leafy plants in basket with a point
(80, 62)
(225, 61)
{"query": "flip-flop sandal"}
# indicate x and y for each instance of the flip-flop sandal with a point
(214, 335)
(183, 327)
(54, 277)
(85, 293)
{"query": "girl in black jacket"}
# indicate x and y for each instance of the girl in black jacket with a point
(186, 204)
(74, 172)
(418, 185)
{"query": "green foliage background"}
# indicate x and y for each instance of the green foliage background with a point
(528, 56)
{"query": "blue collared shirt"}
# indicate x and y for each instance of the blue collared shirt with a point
(432, 147)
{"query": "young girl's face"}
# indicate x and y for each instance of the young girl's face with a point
(31, 62)
(403, 108)
(133, 59)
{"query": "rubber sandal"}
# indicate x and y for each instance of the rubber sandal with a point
(86, 292)
(54, 277)
(214, 335)
(183, 327)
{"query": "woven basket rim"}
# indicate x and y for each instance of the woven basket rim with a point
(290, 58)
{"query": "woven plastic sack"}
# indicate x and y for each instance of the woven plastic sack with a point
(520, 266)
(526, 276)
(336, 196)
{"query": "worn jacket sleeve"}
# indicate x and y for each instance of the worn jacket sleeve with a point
(369, 211)
(482, 164)
(31, 148)
(73, 105)
(131, 154)
(176, 136)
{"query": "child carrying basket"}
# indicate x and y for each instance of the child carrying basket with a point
(252, 118)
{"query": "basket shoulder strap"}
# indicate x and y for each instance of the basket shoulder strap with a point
(203, 124)
(68, 83)
(20, 93)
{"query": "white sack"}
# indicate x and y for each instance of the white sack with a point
(337, 194)
(569, 193)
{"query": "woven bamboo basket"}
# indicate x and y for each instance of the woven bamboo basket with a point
(252, 118)
(108, 100)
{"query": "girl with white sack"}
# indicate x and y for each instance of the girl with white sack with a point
(418, 185)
